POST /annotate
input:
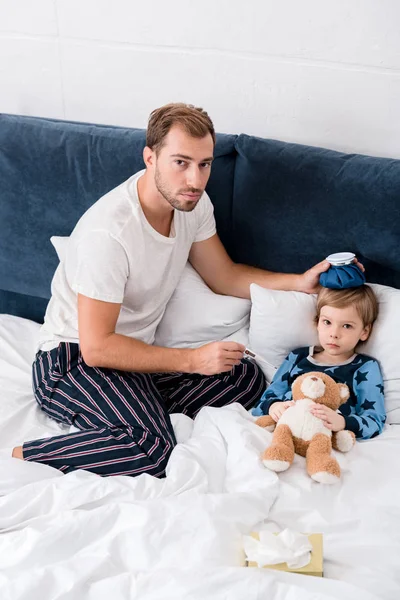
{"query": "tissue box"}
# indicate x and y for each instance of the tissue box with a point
(314, 567)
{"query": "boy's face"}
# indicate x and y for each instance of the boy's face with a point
(340, 330)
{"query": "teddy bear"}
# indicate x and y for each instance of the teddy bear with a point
(298, 431)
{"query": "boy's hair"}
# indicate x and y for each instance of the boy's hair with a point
(193, 120)
(362, 298)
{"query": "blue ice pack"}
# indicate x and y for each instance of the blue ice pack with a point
(343, 272)
(339, 277)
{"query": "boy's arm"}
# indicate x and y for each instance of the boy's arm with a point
(280, 388)
(370, 415)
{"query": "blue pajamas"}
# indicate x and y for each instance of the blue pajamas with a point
(123, 416)
(364, 412)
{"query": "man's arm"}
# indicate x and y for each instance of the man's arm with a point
(102, 347)
(223, 276)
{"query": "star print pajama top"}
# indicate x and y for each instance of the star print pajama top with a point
(364, 412)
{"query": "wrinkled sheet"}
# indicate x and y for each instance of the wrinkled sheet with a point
(83, 536)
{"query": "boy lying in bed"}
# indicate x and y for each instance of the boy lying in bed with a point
(344, 318)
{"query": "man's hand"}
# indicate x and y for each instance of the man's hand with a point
(309, 281)
(216, 357)
(277, 409)
(332, 420)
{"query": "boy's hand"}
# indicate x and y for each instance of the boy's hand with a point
(277, 409)
(332, 420)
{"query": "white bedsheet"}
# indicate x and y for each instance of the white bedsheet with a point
(82, 536)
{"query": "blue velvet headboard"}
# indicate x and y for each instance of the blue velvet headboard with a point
(278, 206)
(293, 205)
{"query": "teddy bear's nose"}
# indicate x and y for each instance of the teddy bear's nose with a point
(314, 378)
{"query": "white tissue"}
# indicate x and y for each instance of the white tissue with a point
(288, 547)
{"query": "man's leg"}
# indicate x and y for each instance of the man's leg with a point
(17, 453)
(189, 393)
(125, 428)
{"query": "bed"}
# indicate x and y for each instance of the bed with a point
(74, 536)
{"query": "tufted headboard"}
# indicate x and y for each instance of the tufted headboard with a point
(279, 206)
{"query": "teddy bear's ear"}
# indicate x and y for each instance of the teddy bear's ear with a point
(344, 392)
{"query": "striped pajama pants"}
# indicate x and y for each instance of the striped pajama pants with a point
(123, 417)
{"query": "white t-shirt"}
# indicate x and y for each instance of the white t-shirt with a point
(115, 255)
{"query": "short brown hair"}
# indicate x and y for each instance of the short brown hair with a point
(363, 298)
(194, 120)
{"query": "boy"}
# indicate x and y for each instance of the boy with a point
(344, 318)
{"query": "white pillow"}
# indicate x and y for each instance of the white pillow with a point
(60, 244)
(279, 322)
(282, 321)
(195, 315)
(383, 345)
(241, 336)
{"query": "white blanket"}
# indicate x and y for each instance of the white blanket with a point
(82, 536)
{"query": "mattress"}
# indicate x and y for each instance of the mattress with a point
(83, 536)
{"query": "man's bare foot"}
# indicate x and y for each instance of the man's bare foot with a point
(17, 452)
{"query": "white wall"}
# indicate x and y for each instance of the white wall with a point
(310, 71)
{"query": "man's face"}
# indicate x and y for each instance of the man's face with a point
(182, 168)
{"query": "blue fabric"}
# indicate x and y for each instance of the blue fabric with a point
(341, 277)
(51, 172)
(364, 412)
(278, 206)
(293, 205)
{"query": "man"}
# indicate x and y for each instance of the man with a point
(97, 367)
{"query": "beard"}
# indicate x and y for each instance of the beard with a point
(172, 198)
